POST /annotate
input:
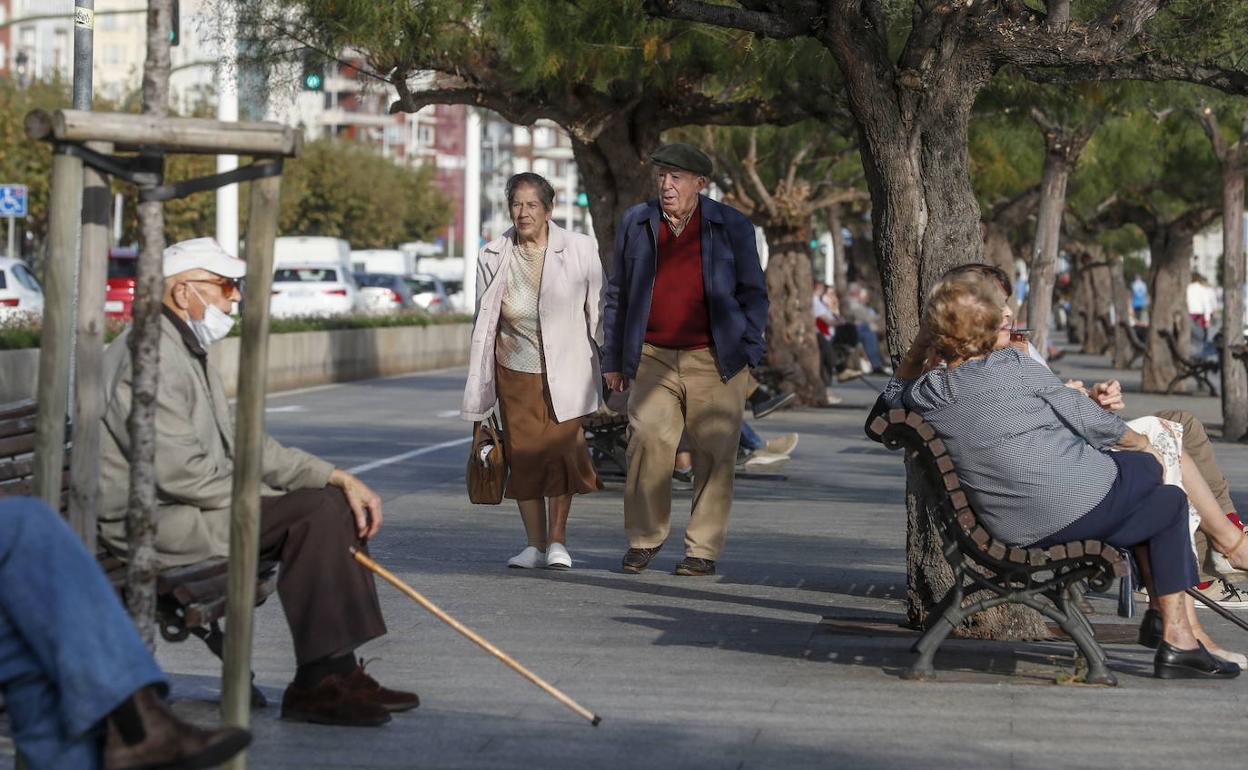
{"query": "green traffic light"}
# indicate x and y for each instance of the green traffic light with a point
(313, 81)
(582, 200)
(814, 243)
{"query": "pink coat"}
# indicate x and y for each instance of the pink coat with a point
(570, 311)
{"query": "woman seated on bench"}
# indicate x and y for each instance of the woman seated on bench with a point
(1035, 458)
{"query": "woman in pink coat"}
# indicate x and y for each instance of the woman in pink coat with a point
(534, 356)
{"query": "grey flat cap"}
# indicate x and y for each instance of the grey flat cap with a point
(682, 155)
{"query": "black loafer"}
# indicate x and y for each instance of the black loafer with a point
(637, 559)
(1150, 629)
(695, 567)
(1173, 663)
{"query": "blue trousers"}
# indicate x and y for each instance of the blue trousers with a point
(870, 345)
(69, 653)
(749, 439)
(1138, 510)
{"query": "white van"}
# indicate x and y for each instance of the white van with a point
(388, 261)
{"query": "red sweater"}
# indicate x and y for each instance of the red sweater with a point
(678, 315)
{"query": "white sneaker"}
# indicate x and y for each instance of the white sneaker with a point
(833, 399)
(782, 445)
(1225, 594)
(764, 459)
(529, 558)
(557, 557)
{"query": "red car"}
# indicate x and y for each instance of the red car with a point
(122, 266)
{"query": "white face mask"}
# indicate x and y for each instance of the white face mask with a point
(215, 325)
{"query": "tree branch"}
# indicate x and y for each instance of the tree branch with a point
(1150, 67)
(764, 23)
(838, 197)
(750, 164)
(1209, 122)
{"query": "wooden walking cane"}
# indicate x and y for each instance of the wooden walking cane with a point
(480, 641)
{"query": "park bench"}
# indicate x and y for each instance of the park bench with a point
(190, 599)
(606, 433)
(1188, 367)
(988, 573)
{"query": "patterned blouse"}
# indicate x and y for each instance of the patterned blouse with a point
(1030, 451)
(519, 343)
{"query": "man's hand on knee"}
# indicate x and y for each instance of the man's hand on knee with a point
(365, 503)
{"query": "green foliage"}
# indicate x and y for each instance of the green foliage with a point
(347, 190)
(1006, 155)
(23, 161)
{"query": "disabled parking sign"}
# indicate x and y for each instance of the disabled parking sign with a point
(12, 200)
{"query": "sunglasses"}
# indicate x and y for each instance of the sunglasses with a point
(227, 285)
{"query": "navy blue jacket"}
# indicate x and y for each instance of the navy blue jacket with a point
(736, 292)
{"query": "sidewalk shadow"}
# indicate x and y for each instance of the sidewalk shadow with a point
(879, 642)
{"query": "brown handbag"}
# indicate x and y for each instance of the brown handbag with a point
(486, 477)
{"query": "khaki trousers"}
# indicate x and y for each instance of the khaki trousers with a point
(1197, 447)
(674, 391)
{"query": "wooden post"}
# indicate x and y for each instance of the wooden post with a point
(56, 342)
(249, 446)
(84, 466)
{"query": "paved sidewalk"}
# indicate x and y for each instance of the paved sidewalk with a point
(788, 658)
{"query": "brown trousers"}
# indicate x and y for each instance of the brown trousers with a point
(674, 391)
(1197, 447)
(330, 600)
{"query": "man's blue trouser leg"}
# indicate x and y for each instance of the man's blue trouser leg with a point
(749, 439)
(870, 345)
(69, 653)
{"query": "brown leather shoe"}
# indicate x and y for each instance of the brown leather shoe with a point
(393, 701)
(332, 702)
(150, 737)
(636, 559)
(693, 566)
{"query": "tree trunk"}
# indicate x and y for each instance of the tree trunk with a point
(1170, 248)
(1123, 352)
(1041, 271)
(999, 251)
(1101, 295)
(792, 347)
(839, 256)
(145, 352)
(1234, 373)
(615, 169)
(925, 220)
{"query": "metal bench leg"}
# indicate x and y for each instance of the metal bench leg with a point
(951, 614)
(1077, 627)
(214, 637)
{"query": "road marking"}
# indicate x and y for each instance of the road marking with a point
(366, 467)
(291, 408)
(449, 413)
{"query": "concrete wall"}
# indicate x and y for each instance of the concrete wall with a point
(301, 359)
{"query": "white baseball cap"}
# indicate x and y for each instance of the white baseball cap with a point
(202, 254)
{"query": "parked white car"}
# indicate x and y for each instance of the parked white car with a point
(427, 292)
(20, 292)
(312, 289)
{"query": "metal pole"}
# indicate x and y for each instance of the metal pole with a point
(12, 250)
(64, 213)
(88, 402)
(227, 111)
(472, 206)
(249, 442)
(84, 43)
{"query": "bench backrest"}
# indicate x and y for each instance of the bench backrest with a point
(17, 451)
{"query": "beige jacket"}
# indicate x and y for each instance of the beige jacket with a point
(570, 312)
(194, 455)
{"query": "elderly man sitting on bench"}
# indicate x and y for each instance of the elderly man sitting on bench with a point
(310, 513)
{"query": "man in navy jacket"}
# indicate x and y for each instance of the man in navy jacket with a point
(686, 306)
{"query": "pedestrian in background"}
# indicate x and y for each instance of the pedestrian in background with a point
(685, 311)
(534, 355)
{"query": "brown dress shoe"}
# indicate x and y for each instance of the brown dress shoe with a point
(393, 701)
(149, 737)
(332, 702)
(636, 559)
(693, 566)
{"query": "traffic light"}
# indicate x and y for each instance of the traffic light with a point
(175, 24)
(313, 75)
(582, 200)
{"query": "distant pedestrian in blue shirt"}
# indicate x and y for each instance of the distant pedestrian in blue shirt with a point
(1139, 298)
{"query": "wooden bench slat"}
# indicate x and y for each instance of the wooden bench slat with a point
(1017, 556)
(1036, 557)
(937, 447)
(951, 482)
(878, 426)
(1057, 553)
(997, 549)
(981, 536)
(897, 416)
(20, 444)
(1092, 547)
(944, 464)
(1074, 549)
(959, 500)
(967, 520)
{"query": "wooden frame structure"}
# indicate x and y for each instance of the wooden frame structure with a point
(85, 140)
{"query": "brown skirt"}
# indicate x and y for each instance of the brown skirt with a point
(546, 458)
